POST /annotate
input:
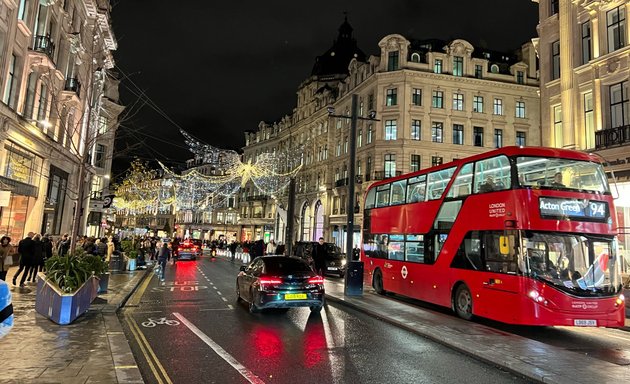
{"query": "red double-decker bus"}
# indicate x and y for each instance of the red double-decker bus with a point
(518, 235)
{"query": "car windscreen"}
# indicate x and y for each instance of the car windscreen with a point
(334, 252)
(285, 266)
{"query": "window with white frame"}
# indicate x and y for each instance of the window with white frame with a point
(438, 99)
(619, 105)
(416, 97)
(437, 129)
(616, 27)
(370, 134)
(520, 109)
(458, 134)
(555, 60)
(497, 107)
(478, 104)
(520, 138)
(415, 129)
(391, 97)
(414, 164)
(390, 129)
(589, 120)
(458, 101)
(478, 136)
(557, 125)
(437, 66)
(498, 138)
(390, 165)
(360, 138)
(586, 42)
(458, 66)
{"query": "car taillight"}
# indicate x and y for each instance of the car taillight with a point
(316, 280)
(266, 282)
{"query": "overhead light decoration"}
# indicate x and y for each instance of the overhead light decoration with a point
(223, 174)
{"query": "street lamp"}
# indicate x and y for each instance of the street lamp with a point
(354, 269)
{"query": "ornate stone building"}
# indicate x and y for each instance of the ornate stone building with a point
(584, 70)
(58, 114)
(434, 101)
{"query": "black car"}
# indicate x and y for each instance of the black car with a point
(187, 250)
(335, 262)
(280, 282)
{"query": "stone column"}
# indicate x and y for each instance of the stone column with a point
(567, 36)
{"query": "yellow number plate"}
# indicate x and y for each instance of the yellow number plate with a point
(294, 296)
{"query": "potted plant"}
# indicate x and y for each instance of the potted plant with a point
(66, 289)
(99, 269)
(130, 253)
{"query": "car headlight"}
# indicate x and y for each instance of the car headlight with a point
(343, 262)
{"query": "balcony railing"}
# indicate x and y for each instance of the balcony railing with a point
(73, 85)
(96, 195)
(612, 137)
(257, 198)
(380, 175)
(341, 182)
(45, 45)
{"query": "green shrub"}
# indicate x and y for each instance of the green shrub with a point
(95, 264)
(68, 272)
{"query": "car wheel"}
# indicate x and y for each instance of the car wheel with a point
(463, 302)
(377, 282)
(252, 307)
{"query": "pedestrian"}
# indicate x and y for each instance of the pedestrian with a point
(163, 255)
(38, 259)
(6, 250)
(280, 249)
(271, 248)
(101, 248)
(111, 247)
(48, 248)
(64, 245)
(320, 254)
(233, 247)
(25, 250)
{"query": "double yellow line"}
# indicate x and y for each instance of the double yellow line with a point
(154, 363)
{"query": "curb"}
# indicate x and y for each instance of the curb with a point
(540, 376)
(125, 364)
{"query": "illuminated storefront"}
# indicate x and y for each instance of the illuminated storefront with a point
(20, 176)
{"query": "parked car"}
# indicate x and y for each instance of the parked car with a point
(280, 282)
(335, 262)
(187, 250)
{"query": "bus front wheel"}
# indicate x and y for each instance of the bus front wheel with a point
(463, 302)
(378, 282)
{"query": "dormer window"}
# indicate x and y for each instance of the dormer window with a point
(458, 66)
(415, 57)
(392, 61)
(494, 68)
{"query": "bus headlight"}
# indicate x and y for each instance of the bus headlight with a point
(620, 300)
(537, 297)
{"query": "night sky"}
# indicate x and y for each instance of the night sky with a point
(217, 68)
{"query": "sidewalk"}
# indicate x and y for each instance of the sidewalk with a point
(93, 349)
(526, 357)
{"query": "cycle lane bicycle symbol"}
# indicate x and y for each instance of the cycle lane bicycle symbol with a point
(151, 322)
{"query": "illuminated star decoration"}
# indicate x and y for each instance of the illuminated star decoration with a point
(269, 173)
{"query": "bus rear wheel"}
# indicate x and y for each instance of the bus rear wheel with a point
(463, 302)
(377, 282)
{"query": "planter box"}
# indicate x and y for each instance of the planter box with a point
(103, 282)
(131, 264)
(64, 308)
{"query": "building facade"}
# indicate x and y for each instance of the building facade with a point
(58, 114)
(584, 76)
(434, 100)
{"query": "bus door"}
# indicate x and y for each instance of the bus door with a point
(500, 285)
(393, 268)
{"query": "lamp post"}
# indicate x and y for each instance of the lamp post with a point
(354, 269)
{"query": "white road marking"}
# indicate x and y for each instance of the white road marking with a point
(224, 299)
(219, 293)
(240, 368)
(230, 306)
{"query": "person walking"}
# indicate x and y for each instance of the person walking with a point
(48, 248)
(101, 248)
(38, 259)
(320, 254)
(6, 250)
(271, 248)
(110, 248)
(64, 245)
(25, 249)
(163, 255)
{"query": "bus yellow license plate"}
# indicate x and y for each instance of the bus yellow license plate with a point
(295, 296)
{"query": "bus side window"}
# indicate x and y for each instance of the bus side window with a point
(468, 255)
(415, 189)
(495, 261)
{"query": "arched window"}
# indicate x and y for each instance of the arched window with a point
(305, 222)
(415, 57)
(494, 68)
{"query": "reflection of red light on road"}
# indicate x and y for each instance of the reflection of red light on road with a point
(268, 343)
(314, 344)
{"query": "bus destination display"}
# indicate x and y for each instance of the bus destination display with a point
(573, 208)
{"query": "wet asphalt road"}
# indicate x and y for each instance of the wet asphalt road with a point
(190, 329)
